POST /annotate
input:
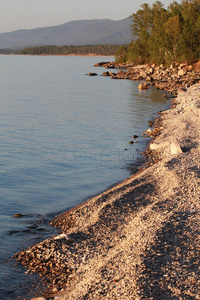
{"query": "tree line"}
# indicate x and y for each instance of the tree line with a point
(71, 49)
(164, 35)
(9, 51)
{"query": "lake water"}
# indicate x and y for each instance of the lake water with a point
(63, 137)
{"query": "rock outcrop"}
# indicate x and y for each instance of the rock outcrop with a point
(172, 79)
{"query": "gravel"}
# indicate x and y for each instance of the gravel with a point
(139, 239)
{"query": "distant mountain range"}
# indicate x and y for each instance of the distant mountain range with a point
(82, 32)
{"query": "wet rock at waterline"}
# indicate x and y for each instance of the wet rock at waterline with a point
(92, 74)
(171, 79)
(18, 216)
(143, 86)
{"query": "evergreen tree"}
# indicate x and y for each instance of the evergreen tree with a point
(165, 35)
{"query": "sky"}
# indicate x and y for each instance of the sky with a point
(28, 14)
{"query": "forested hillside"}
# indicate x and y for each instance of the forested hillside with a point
(164, 35)
(76, 50)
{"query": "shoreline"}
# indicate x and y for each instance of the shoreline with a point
(90, 55)
(74, 257)
(173, 79)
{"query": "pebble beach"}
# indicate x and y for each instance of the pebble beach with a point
(140, 238)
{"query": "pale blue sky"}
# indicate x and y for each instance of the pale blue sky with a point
(26, 14)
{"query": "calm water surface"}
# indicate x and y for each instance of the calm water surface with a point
(63, 137)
